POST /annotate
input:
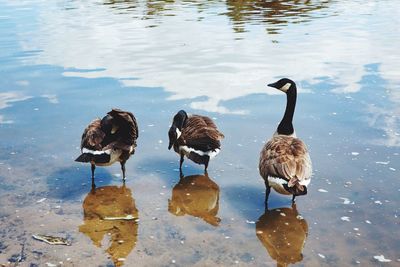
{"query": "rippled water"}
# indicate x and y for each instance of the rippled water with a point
(63, 63)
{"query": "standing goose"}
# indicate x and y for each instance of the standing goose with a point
(195, 137)
(285, 163)
(108, 140)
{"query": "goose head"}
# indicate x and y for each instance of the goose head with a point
(108, 125)
(285, 85)
(176, 128)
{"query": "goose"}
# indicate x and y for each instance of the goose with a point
(283, 232)
(108, 140)
(285, 163)
(195, 137)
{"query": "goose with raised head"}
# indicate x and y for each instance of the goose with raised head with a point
(195, 137)
(110, 139)
(285, 163)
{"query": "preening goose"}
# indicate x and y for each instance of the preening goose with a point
(108, 140)
(195, 137)
(285, 163)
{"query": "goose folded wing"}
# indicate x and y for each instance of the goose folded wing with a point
(128, 125)
(204, 141)
(93, 136)
(287, 158)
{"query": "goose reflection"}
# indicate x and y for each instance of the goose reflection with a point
(198, 196)
(283, 232)
(274, 14)
(110, 211)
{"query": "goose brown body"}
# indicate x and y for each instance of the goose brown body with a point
(109, 140)
(199, 139)
(286, 157)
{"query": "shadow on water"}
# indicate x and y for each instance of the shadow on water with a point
(249, 201)
(197, 196)
(169, 168)
(110, 212)
(283, 232)
(71, 182)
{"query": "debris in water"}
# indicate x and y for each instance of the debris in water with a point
(52, 240)
(322, 190)
(346, 201)
(355, 153)
(250, 222)
(382, 258)
(282, 214)
(382, 162)
(392, 169)
(347, 184)
(41, 200)
(321, 255)
(378, 202)
(355, 229)
(127, 218)
(345, 218)
(49, 264)
(367, 221)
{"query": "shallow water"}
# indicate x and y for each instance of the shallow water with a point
(63, 63)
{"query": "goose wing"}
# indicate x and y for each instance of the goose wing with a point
(128, 129)
(286, 157)
(93, 136)
(201, 133)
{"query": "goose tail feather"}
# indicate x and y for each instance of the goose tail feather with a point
(96, 158)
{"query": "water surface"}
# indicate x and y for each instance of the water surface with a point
(64, 63)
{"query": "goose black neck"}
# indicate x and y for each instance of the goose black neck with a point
(285, 126)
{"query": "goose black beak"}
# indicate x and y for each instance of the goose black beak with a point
(272, 85)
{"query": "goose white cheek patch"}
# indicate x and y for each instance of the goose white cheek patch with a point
(285, 87)
(178, 133)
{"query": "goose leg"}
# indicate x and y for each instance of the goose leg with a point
(293, 199)
(206, 165)
(181, 162)
(93, 167)
(123, 170)
(267, 191)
